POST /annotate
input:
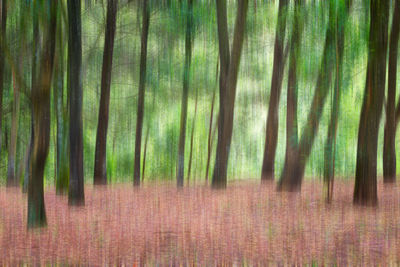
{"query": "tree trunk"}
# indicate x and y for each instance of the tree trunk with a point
(2, 63)
(365, 187)
(291, 114)
(142, 85)
(228, 80)
(185, 92)
(330, 145)
(76, 194)
(209, 145)
(271, 136)
(41, 121)
(62, 172)
(389, 149)
(293, 170)
(100, 162)
(192, 138)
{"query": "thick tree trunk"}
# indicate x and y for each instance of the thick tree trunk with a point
(291, 113)
(142, 85)
(271, 136)
(330, 145)
(185, 93)
(293, 170)
(100, 162)
(41, 122)
(62, 166)
(389, 150)
(3, 28)
(76, 194)
(228, 79)
(365, 187)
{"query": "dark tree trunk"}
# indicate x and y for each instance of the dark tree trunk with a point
(330, 145)
(365, 187)
(76, 194)
(41, 122)
(146, 139)
(185, 92)
(100, 162)
(389, 150)
(271, 136)
(192, 139)
(142, 85)
(2, 63)
(228, 80)
(291, 113)
(293, 170)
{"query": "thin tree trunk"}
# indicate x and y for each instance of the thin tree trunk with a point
(185, 93)
(2, 63)
(228, 80)
(330, 145)
(11, 178)
(271, 136)
(100, 162)
(293, 170)
(76, 194)
(365, 187)
(41, 122)
(142, 85)
(192, 138)
(146, 139)
(209, 146)
(389, 149)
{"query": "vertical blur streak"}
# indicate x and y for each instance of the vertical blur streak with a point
(3, 27)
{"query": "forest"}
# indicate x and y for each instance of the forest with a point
(199, 132)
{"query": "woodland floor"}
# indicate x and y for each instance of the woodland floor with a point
(248, 224)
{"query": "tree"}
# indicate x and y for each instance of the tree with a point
(365, 187)
(100, 164)
(293, 170)
(330, 144)
(142, 84)
(41, 116)
(227, 86)
(291, 105)
(389, 150)
(76, 194)
(62, 164)
(185, 93)
(271, 136)
(3, 35)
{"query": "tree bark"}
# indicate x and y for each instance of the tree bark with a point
(185, 93)
(192, 138)
(100, 162)
(389, 149)
(76, 194)
(142, 85)
(365, 187)
(271, 136)
(293, 170)
(228, 80)
(41, 121)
